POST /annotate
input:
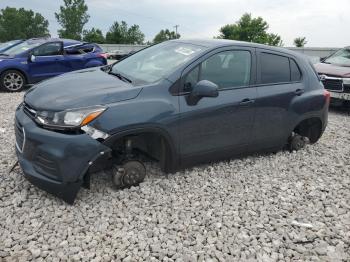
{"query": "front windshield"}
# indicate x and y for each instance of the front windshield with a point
(20, 48)
(156, 62)
(341, 57)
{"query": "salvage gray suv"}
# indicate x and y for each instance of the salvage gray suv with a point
(178, 102)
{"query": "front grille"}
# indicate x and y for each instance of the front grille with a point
(333, 84)
(46, 166)
(20, 136)
(29, 110)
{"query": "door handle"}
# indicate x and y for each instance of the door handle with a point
(246, 102)
(299, 92)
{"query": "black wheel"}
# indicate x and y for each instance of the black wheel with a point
(131, 173)
(12, 81)
(296, 142)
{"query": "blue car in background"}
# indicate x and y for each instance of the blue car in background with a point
(35, 60)
(7, 45)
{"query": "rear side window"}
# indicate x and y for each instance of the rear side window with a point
(274, 68)
(295, 73)
(79, 50)
(87, 49)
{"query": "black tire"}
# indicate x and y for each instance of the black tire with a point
(12, 81)
(346, 104)
(296, 142)
(131, 173)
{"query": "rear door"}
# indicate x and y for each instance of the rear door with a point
(47, 62)
(75, 59)
(280, 82)
(217, 125)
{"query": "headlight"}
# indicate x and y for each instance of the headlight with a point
(69, 118)
(346, 81)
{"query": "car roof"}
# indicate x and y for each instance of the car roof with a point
(66, 42)
(216, 43)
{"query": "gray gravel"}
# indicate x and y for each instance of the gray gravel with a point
(284, 206)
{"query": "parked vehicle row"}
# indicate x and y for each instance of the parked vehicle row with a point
(178, 102)
(34, 60)
(119, 54)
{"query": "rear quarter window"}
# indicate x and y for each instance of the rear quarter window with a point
(295, 72)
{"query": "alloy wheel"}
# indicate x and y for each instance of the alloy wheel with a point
(13, 81)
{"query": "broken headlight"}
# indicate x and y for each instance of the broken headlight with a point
(346, 81)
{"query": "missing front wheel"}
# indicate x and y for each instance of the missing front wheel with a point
(130, 173)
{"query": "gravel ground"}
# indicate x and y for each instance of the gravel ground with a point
(284, 206)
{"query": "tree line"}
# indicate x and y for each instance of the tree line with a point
(73, 16)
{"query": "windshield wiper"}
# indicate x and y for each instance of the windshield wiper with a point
(4, 54)
(120, 76)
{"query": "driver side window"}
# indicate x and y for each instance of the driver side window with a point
(49, 49)
(226, 69)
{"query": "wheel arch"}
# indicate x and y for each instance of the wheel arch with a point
(26, 76)
(172, 159)
(310, 127)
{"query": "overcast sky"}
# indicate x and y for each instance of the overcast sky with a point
(324, 23)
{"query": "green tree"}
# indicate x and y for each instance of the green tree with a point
(21, 24)
(93, 35)
(300, 41)
(119, 33)
(135, 35)
(250, 30)
(165, 35)
(72, 17)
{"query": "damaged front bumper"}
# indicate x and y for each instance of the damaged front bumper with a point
(55, 162)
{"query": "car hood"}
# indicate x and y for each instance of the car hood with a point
(334, 70)
(81, 88)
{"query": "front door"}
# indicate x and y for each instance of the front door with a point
(221, 124)
(46, 61)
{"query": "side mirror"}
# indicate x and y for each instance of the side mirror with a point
(31, 58)
(203, 88)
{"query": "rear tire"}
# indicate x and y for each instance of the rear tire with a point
(12, 81)
(346, 104)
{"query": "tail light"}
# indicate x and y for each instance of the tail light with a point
(327, 95)
(103, 55)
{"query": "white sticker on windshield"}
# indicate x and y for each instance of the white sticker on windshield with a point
(184, 51)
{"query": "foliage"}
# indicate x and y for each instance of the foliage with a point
(165, 35)
(94, 35)
(21, 24)
(119, 33)
(250, 30)
(300, 41)
(72, 17)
